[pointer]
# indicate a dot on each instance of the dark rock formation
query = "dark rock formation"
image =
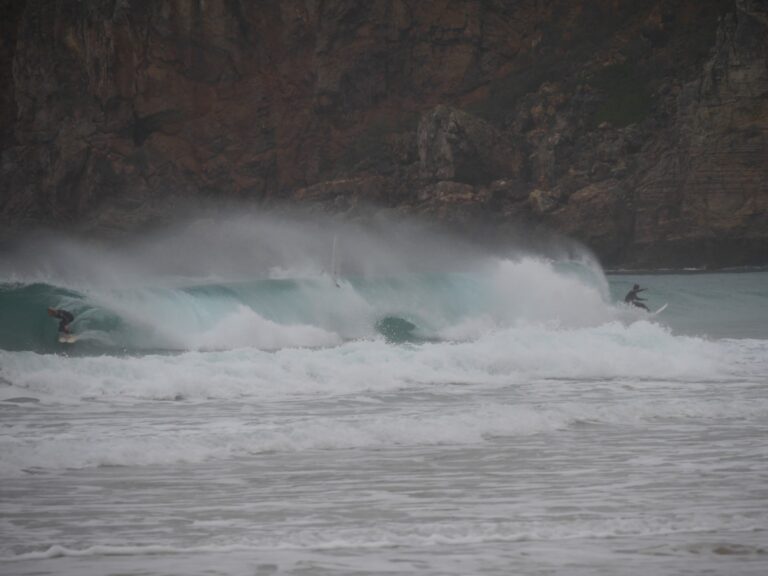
(454, 145)
(640, 128)
(703, 187)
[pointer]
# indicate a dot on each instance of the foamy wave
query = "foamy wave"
(368, 372)
(411, 535)
(533, 290)
(245, 328)
(642, 351)
(58, 551)
(154, 443)
(147, 439)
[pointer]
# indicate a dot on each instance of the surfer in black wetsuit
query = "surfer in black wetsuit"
(633, 298)
(65, 317)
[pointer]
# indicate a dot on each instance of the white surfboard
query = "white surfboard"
(67, 338)
(660, 309)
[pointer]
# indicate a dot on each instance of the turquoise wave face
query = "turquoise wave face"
(25, 323)
(322, 311)
(312, 312)
(397, 330)
(170, 319)
(222, 281)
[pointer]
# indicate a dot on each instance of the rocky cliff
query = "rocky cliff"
(639, 127)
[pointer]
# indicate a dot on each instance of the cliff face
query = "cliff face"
(639, 127)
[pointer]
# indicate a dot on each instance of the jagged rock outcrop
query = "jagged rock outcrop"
(454, 145)
(641, 130)
(705, 190)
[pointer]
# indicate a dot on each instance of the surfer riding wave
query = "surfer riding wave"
(633, 297)
(65, 318)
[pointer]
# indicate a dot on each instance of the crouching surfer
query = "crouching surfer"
(633, 297)
(65, 319)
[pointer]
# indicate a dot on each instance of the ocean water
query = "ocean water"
(240, 401)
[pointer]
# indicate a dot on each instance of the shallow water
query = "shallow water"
(510, 431)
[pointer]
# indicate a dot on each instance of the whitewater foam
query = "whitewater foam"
(364, 379)
(613, 350)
